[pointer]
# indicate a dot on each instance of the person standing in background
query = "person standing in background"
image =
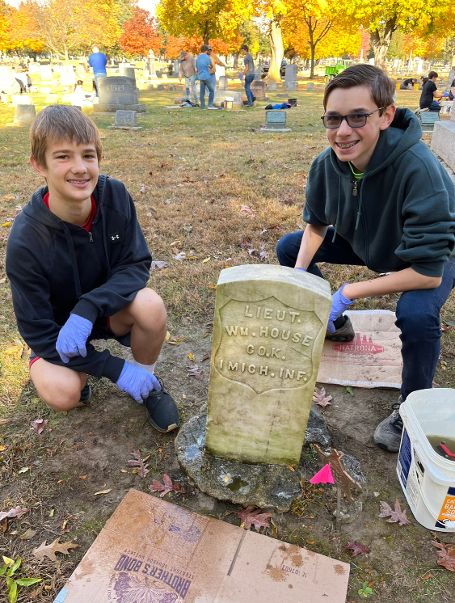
(248, 73)
(216, 61)
(97, 61)
(187, 69)
(203, 68)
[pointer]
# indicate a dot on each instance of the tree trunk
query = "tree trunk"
(277, 48)
(380, 41)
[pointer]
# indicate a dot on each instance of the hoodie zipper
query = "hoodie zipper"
(90, 237)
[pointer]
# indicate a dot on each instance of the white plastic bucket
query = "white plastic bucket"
(428, 479)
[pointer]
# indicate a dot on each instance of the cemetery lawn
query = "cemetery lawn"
(211, 192)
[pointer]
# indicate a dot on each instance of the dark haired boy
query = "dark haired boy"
(378, 197)
(78, 265)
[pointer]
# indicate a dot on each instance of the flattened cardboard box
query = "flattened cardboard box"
(371, 359)
(151, 551)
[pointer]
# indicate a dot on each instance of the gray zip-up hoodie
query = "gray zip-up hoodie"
(402, 212)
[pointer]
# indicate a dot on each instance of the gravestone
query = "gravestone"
(275, 121)
(118, 92)
(290, 76)
(223, 82)
(269, 329)
(233, 96)
(258, 87)
(126, 70)
(24, 114)
(125, 120)
(443, 139)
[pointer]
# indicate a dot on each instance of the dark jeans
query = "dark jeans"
(248, 79)
(417, 312)
(209, 85)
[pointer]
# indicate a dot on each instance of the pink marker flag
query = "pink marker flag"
(323, 476)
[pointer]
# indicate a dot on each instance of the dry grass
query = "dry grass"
(208, 184)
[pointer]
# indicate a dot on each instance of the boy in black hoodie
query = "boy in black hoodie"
(78, 265)
(378, 197)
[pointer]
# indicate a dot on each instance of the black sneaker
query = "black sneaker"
(162, 411)
(344, 331)
(86, 394)
(387, 434)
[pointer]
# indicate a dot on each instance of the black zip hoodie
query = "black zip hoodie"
(402, 212)
(56, 268)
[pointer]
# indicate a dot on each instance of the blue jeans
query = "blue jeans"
(206, 84)
(417, 313)
(248, 79)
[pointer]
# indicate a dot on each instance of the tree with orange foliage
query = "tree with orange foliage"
(25, 32)
(5, 12)
(140, 34)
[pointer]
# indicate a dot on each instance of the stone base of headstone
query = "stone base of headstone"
(223, 82)
(272, 86)
(443, 141)
(262, 485)
(24, 115)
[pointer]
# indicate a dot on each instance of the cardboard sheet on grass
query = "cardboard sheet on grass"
(371, 359)
(151, 551)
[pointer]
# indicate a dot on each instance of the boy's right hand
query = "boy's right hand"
(137, 382)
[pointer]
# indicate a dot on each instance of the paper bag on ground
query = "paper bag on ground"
(372, 359)
(156, 552)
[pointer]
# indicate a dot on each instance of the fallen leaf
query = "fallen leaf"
(395, 515)
(6, 224)
(24, 469)
(204, 261)
(196, 372)
(28, 534)
(38, 425)
(191, 357)
(446, 555)
(139, 462)
(167, 486)
(246, 209)
(103, 492)
(180, 256)
(343, 479)
(357, 548)
(14, 513)
(50, 550)
(254, 517)
(2, 448)
(142, 189)
(4, 421)
(321, 398)
(158, 265)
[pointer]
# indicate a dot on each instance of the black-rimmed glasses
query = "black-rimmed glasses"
(332, 121)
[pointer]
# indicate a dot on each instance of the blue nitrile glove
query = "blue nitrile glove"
(300, 268)
(137, 382)
(72, 339)
(339, 304)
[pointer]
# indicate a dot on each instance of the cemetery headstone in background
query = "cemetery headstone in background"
(290, 76)
(118, 92)
(24, 114)
(125, 120)
(443, 139)
(258, 88)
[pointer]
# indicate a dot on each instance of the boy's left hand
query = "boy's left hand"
(339, 304)
(72, 339)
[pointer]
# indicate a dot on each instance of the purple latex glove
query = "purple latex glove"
(340, 303)
(72, 339)
(137, 382)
